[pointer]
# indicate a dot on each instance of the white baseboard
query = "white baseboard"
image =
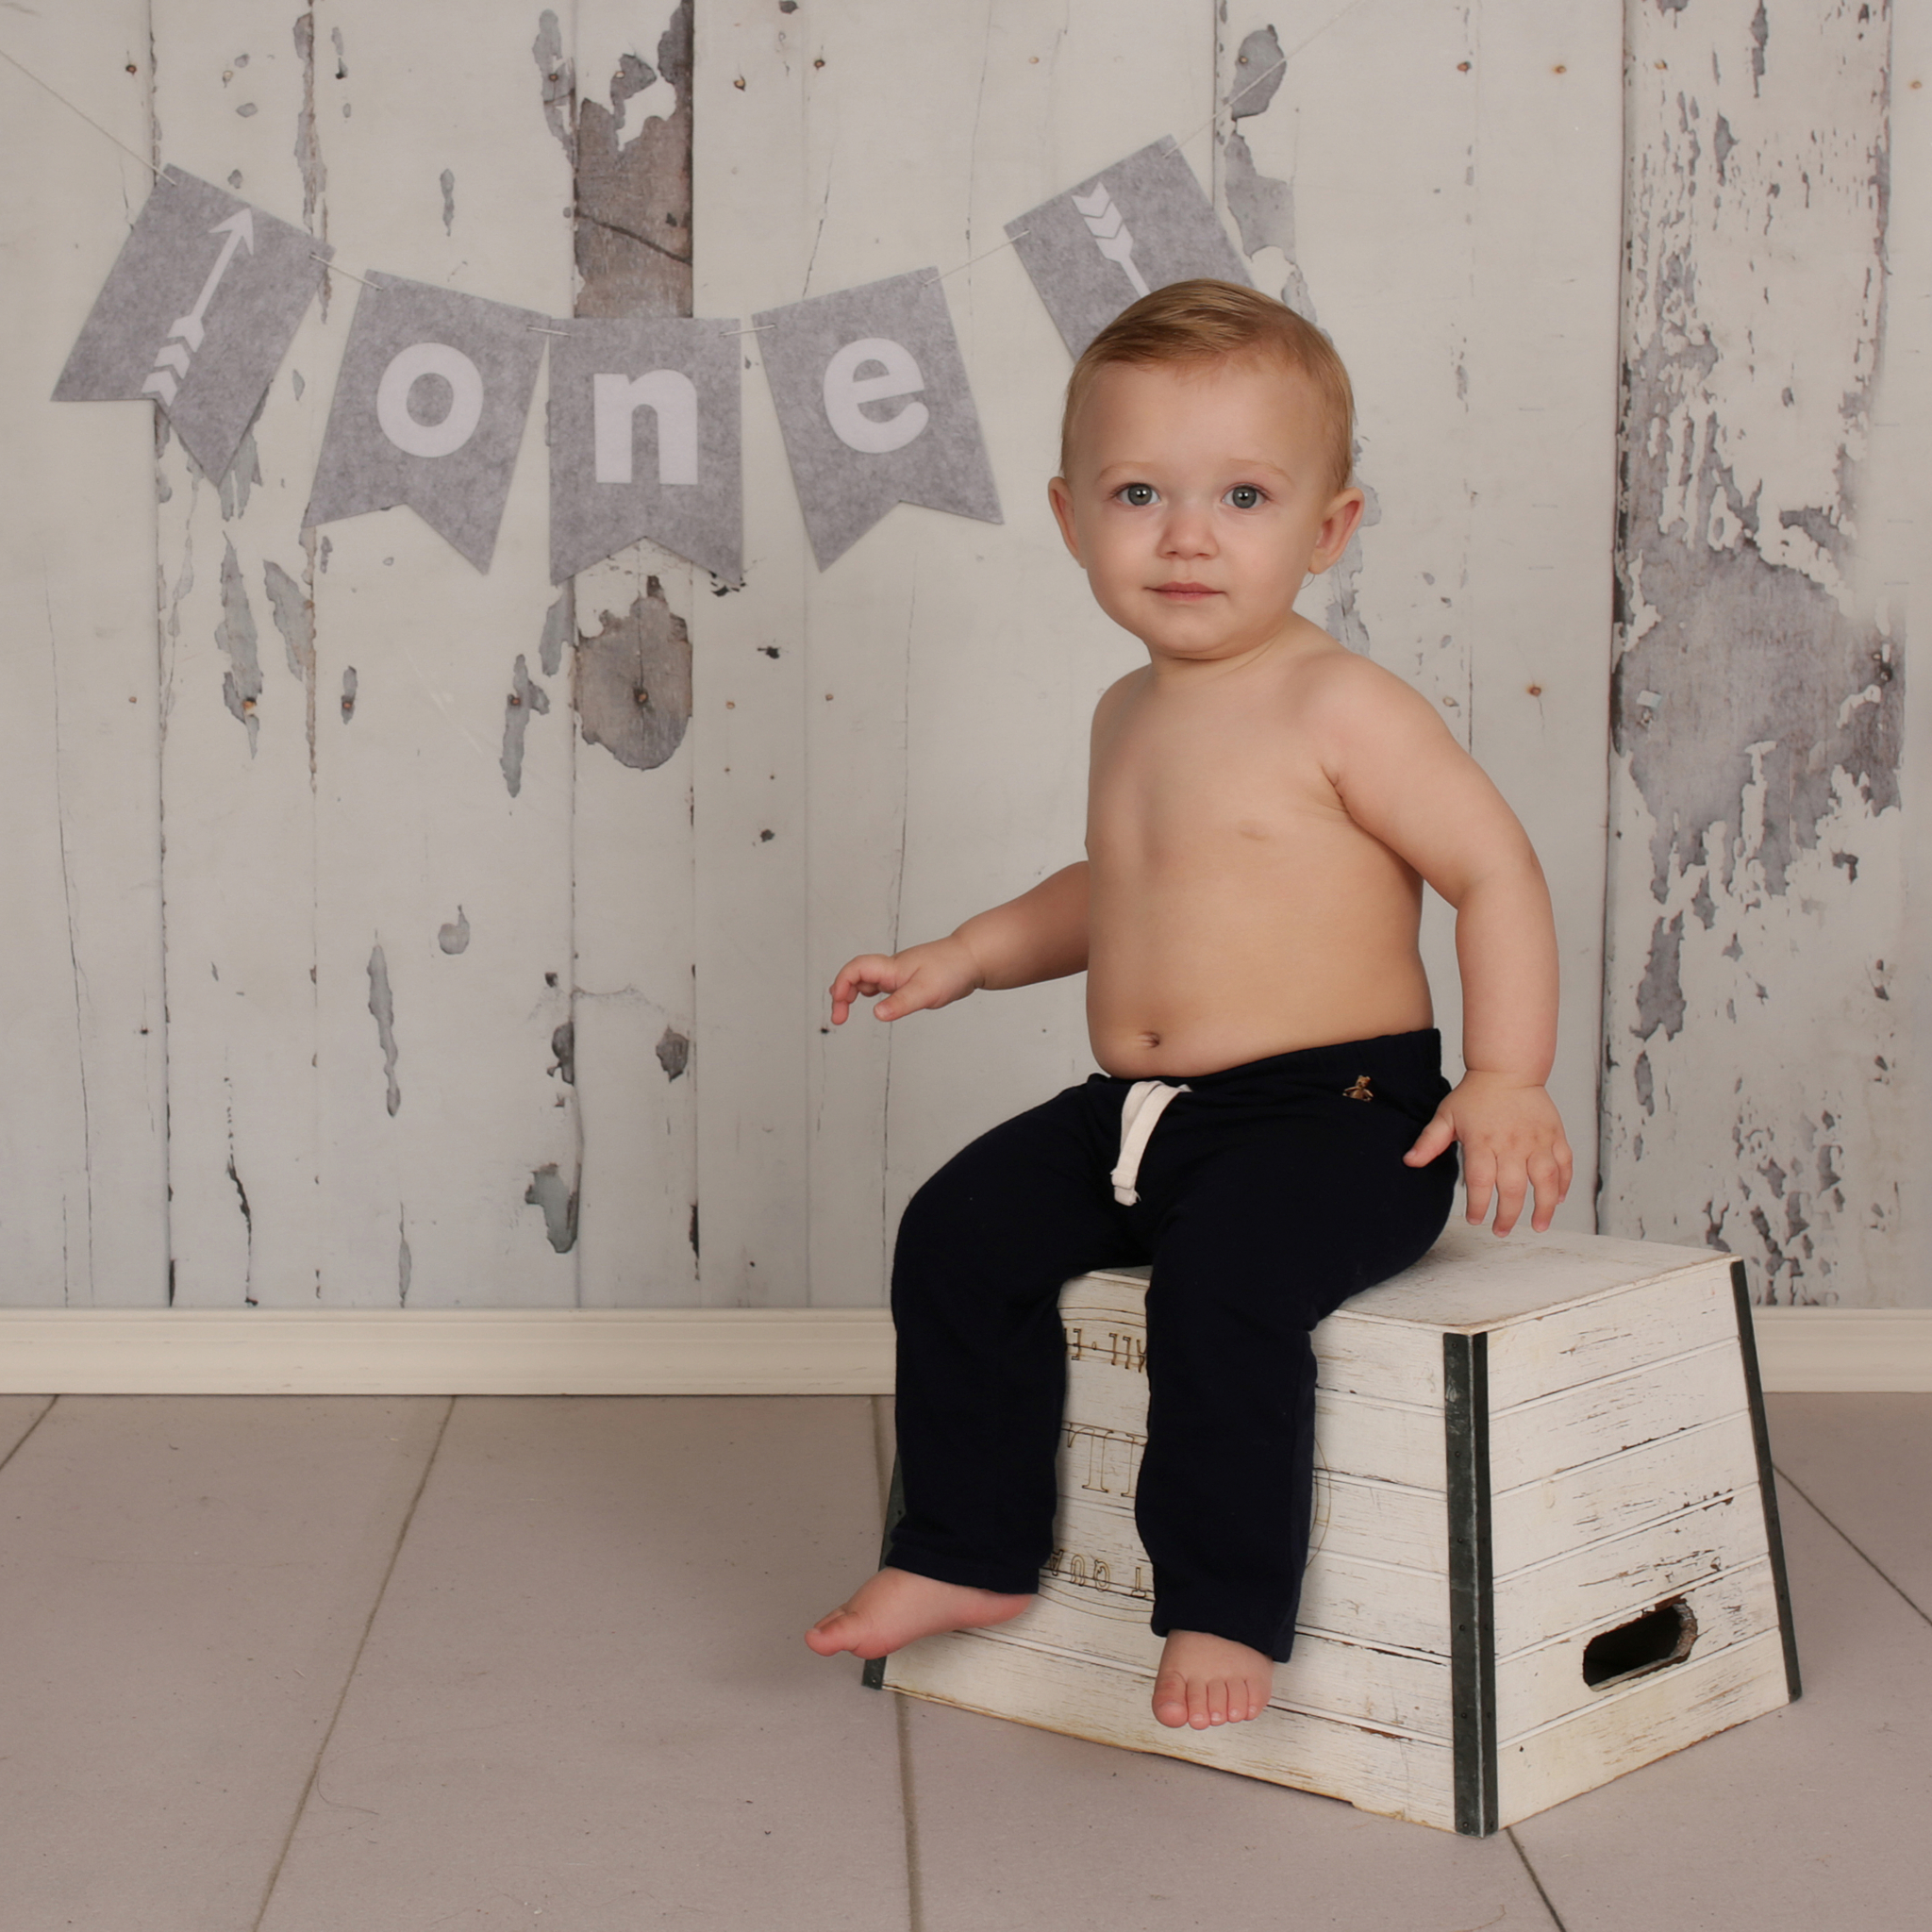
(1850, 1351)
(445, 1352)
(663, 1351)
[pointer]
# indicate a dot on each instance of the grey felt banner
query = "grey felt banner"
(1132, 228)
(872, 401)
(198, 312)
(429, 410)
(645, 442)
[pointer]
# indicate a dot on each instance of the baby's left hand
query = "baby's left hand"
(1512, 1141)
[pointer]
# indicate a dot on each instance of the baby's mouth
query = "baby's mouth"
(1183, 592)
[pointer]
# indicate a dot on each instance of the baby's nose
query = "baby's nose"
(1188, 533)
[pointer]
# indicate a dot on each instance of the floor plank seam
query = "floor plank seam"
(1917, 1609)
(28, 1431)
(268, 1892)
(1549, 1905)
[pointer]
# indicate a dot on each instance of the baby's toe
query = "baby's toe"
(1223, 1697)
(1171, 1699)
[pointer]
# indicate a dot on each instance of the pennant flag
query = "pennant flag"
(645, 442)
(429, 410)
(198, 312)
(1134, 227)
(872, 398)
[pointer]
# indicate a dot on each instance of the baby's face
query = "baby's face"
(1199, 501)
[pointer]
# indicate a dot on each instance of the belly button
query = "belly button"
(1149, 1039)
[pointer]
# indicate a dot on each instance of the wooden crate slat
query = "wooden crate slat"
(1614, 1413)
(1538, 1687)
(1670, 1710)
(1543, 1518)
(1651, 1322)
(1624, 1575)
(1378, 1771)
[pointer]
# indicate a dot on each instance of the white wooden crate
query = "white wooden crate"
(1545, 1550)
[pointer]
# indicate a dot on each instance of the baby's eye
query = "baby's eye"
(1139, 494)
(1244, 497)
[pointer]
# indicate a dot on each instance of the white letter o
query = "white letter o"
(465, 400)
(845, 390)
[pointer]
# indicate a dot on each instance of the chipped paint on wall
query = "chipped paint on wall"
(674, 1053)
(382, 1007)
(1758, 690)
(294, 615)
(454, 937)
(633, 681)
(236, 634)
(522, 698)
(557, 1201)
(632, 161)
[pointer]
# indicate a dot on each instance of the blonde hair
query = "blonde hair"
(1202, 321)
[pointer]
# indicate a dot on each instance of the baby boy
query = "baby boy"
(1273, 1131)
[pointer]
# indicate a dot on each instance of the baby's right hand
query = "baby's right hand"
(932, 975)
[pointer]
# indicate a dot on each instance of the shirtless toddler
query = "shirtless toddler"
(1272, 1129)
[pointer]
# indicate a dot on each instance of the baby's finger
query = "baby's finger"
(1551, 1180)
(906, 998)
(1439, 1134)
(1511, 1186)
(1479, 1178)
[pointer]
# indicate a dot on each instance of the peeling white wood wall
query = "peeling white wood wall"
(484, 984)
(1761, 1007)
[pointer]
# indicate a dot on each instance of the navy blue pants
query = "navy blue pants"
(1267, 1197)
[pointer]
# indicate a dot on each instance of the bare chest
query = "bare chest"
(1214, 786)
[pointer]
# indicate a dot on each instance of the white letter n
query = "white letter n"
(675, 399)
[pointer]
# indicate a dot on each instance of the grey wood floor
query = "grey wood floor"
(365, 1665)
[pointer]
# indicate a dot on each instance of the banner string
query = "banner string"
(925, 281)
(336, 268)
(968, 263)
(159, 173)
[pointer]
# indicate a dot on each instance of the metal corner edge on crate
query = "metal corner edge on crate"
(1767, 1476)
(874, 1676)
(1472, 1581)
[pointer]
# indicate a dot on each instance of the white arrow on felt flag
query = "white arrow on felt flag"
(239, 228)
(185, 337)
(1108, 227)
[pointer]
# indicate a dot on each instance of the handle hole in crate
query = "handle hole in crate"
(1650, 1643)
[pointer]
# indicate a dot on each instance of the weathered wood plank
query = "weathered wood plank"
(755, 200)
(1538, 1687)
(1617, 1412)
(239, 723)
(1662, 1714)
(1756, 876)
(81, 1057)
(633, 999)
(1610, 1581)
(1398, 1775)
(1614, 1332)
(1543, 1518)
(464, 1191)
(1359, 1682)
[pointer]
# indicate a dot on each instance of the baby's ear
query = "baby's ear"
(1343, 519)
(1061, 498)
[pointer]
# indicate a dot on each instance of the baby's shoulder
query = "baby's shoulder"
(1342, 690)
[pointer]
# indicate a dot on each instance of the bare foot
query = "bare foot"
(895, 1606)
(1209, 1680)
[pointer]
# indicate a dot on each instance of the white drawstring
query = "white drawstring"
(1147, 1100)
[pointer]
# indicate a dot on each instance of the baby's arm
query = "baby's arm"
(1403, 777)
(1041, 934)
